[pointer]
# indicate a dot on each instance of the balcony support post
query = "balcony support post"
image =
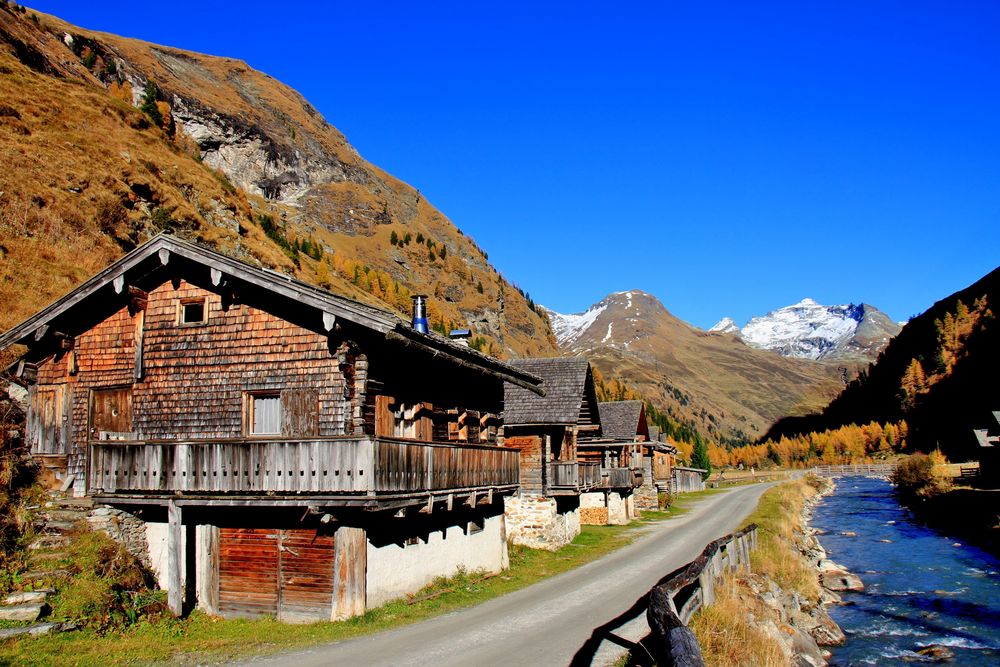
(175, 558)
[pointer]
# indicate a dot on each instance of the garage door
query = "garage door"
(287, 573)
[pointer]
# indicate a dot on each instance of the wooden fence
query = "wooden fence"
(673, 603)
(864, 469)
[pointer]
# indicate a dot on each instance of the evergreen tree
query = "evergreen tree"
(699, 457)
(148, 105)
(393, 238)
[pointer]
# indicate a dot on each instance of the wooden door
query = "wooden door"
(111, 414)
(50, 419)
(286, 573)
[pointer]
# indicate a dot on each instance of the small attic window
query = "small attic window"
(193, 311)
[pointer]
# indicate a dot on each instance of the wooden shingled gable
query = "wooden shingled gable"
(167, 257)
(623, 420)
(568, 384)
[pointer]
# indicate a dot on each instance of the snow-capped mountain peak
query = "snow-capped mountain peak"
(628, 307)
(726, 325)
(810, 330)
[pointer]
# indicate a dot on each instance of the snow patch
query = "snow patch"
(569, 328)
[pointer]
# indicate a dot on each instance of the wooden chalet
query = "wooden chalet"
(293, 453)
(618, 451)
(545, 430)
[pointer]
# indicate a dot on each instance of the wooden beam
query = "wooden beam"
(471, 502)
(137, 299)
(138, 370)
(216, 276)
(350, 566)
(66, 342)
(329, 319)
(207, 578)
(41, 331)
(175, 558)
(164, 256)
(451, 501)
(119, 283)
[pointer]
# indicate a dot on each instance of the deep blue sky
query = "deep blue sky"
(729, 158)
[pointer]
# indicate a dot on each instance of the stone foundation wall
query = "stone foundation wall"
(618, 508)
(537, 522)
(124, 528)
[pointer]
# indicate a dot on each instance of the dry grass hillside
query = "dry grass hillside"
(107, 141)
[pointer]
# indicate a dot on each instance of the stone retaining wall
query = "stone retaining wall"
(538, 522)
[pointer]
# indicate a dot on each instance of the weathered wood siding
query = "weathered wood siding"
(195, 376)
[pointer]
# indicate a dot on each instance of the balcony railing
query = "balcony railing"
(622, 478)
(316, 466)
(574, 475)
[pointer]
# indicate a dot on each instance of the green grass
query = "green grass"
(199, 638)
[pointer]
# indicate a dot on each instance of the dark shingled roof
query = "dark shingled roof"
(620, 419)
(565, 380)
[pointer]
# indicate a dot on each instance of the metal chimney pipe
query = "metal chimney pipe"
(420, 313)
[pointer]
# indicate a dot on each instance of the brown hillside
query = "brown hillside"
(241, 162)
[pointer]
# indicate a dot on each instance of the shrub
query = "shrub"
(420, 238)
(393, 238)
(921, 476)
(149, 106)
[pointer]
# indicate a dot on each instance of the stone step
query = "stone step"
(70, 503)
(27, 597)
(64, 515)
(23, 612)
(58, 526)
(48, 542)
(37, 629)
(37, 575)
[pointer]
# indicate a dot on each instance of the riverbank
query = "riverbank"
(971, 514)
(928, 596)
(775, 613)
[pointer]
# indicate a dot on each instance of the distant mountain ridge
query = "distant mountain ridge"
(809, 330)
(717, 384)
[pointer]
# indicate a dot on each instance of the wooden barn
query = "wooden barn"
(545, 430)
(989, 455)
(291, 452)
(618, 451)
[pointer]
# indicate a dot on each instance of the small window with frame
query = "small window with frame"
(192, 312)
(264, 413)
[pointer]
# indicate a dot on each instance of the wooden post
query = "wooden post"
(175, 558)
(350, 573)
(207, 578)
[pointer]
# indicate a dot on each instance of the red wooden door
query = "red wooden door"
(283, 573)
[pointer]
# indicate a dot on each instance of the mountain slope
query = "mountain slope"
(716, 383)
(809, 330)
(222, 154)
(939, 374)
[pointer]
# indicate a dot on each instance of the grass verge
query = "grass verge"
(201, 639)
(729, 631)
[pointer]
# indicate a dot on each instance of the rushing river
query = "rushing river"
(921, 586)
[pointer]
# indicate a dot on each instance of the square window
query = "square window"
(193, 311)
(265, 414)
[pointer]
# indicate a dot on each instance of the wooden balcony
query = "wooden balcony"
(316, 468)
(622, 478)
(569, 477)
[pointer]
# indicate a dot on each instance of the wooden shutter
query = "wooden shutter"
(111, 413)
(300, 413)
(385, 423)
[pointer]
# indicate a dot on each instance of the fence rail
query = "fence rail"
(869, 469)
(673, 603)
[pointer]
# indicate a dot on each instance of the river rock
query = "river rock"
(848, 533)
(828, 597)
(936, 653)
(827, 565)
(826, 631)
(841, 581)
(805, 649)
